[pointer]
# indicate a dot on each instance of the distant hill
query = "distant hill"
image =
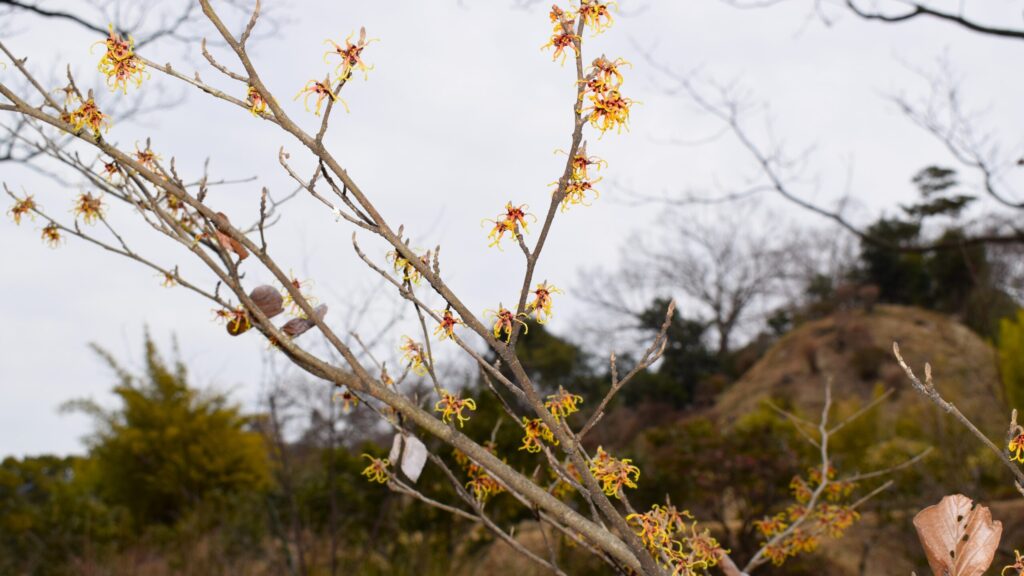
(854, 347)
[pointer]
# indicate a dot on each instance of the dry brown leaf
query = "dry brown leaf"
(298, 326)
(268, 300)
(222, 223)
(959, 537)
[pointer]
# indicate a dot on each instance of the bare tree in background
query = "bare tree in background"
(904, 11)
(725, 267)
(780, 169)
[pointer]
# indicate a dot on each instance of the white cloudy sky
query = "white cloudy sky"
(461, 114)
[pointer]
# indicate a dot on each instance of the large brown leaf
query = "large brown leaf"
(268, 300)
(959, 537)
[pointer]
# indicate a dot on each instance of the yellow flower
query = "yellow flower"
(576, 192)
(446, 329)
(257, 104)
(504, 321)
(450, 405)
(110, 170)
(89, 207)
(348, 400)
(771, 525)
(613, 473)
(563, 36)
(606, 73)
(483, 487)
(563, 404)
(22, 207)
(52, 235)
(1016, 448)
(351, 55)
(536, 430)
(581, 163)
(510, 221)
(480, 483)
(609, 110)
(88, 115)
(412, 352)
(596, 15)
(147, 157)
(236, 319)
(119, 63)
(405, 267)
(377, 471)
(1018, 565)
(540, 306)
(322, 90)
(302, 286)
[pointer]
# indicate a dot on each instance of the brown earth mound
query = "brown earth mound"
(854, 348)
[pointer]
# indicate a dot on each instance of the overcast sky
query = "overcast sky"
(462, 113)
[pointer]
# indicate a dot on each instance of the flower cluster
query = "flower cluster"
(613, 473)
(504, 322)
(797, 530)
(88, 115)
(90, 208)
(450, 405)
(22, 207)
(609, 109)
(563, 37)
(540, 306)
(536, 430)
(51, 235)
(673, 538)
(1016, 448)
(446, 328)
(377, 471)
(596, 14)
(412, 352)
(562, 404)
(510, 221)
(351, 55)
(581, 183)
(120, 64)
(480, 482)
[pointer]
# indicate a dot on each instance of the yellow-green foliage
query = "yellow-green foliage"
(169, 448)
(1011, 358)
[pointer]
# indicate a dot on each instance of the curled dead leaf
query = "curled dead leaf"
(959, 537)
(298, 326)
(221, 222)
(268, 300)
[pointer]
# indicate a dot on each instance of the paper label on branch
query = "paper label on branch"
(414, 455)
